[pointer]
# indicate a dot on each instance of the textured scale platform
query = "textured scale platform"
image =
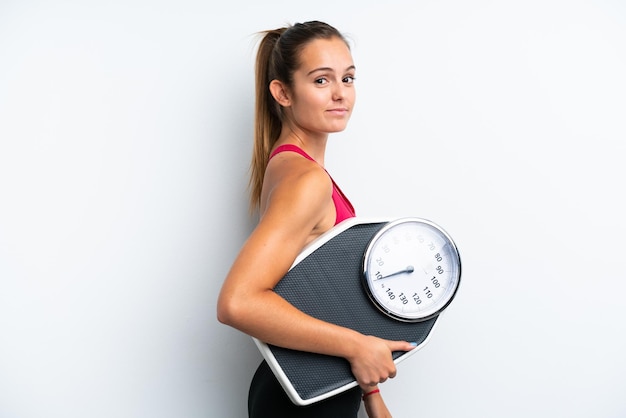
(327, 284)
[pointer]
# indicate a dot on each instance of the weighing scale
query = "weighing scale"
(391, 279)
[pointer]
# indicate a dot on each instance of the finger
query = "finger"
(401, 345)
(368, 386)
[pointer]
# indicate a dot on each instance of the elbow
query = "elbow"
(227, 311)
(233, 312)
(224, 312)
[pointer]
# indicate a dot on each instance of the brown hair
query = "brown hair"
(278, 57)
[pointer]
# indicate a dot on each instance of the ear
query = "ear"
(280, 93)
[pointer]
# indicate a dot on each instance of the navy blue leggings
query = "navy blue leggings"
(267, 399)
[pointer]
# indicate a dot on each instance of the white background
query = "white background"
(125, 134)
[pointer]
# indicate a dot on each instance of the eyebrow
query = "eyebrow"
(350, 68)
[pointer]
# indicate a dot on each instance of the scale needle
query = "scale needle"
(408, 269)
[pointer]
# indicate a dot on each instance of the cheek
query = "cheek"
(311, 104)
(318, 98)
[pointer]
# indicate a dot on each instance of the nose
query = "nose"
(338, 92)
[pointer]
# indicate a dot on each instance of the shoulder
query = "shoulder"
(296, 179)
(297, 195)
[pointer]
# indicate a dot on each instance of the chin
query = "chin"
(335, 131)
(337, 128)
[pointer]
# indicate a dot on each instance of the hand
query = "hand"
(372, 362)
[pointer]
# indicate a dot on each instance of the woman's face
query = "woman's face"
(323, 91)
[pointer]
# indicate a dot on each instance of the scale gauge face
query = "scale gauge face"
(411, 269)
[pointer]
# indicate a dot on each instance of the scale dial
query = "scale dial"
(411, 269)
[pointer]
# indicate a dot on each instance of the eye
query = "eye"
(321, 81)
(349, 79)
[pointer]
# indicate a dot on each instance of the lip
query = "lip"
(339, 111)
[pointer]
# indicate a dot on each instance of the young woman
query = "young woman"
(305, 91)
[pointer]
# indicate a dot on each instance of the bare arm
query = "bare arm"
(298, 205)
(376, 407)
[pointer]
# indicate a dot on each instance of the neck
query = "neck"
(314, 145)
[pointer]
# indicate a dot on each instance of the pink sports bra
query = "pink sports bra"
(343, 207)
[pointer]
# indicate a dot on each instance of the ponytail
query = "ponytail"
(277, 59)
(267, 120)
